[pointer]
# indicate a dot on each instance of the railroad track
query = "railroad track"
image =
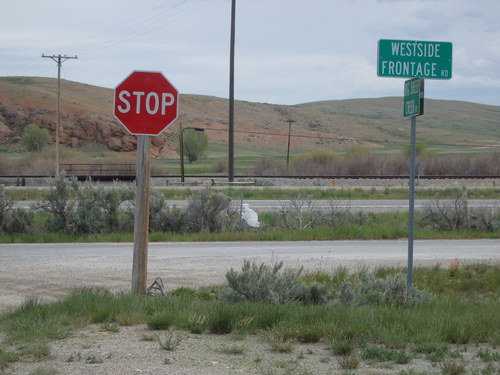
(131, 177)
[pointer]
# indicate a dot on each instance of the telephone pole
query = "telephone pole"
(289, 132)
(59, 60)
(230, 169)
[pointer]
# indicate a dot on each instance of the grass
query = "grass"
(459, 314)
(378, 226)
(260, 193)
(232, 349)
(450, 367)
(45, 371)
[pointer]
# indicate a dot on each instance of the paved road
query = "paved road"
(386, 205)
(50, 271)
(325, 205)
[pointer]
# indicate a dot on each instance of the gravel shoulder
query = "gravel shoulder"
(135, 350)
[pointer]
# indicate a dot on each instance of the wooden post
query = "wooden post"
(141, 220)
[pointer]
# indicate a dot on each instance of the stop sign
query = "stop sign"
(145, 103)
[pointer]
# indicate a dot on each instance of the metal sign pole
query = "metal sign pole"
(409, 281)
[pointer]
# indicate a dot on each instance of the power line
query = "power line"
(280, 135)
(138, 25)
(128, 29)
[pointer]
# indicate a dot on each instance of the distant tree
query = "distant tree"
(35, 138)
(420, 150)
(195, 144)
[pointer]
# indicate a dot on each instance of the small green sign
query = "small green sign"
(413, 97)
(410, 58)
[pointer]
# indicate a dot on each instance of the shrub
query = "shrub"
(109, 201)
(220, 166)
(221, 320)
(374, 291)
(195, 144)
(160, 322)
(343, 345)
(170, 340)
(59, 204)
(264, 283)
(77, 208)
(299, 213)
(19, 221)
(447, 215)
(209, 211)
(165, 218)
(5, 210)
(318, 162)
(87, 218)
(380, 354)
(267, 166)
(485, 219)
(34, 138)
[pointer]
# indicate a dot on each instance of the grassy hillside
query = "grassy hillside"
(261, 129)
(445, 125)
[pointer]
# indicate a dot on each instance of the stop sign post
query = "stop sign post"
(145, 103)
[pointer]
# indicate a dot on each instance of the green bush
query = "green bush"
(80, 209)
(58, 202)
(381, 354)
(19, 221)
(264, 283)
(5, 211)
(222, 319)
(35, 138)
(163, 218)
(161, 321)
(370, 290)
(209, 211)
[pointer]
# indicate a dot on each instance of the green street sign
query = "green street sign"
(413, 104)
(410, 58)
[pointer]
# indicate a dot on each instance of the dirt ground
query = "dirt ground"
(136, 350)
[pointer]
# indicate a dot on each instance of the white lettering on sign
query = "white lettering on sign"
(415, 49)
(409, 68)
(410, 107)
(121, 96)
(412, 87)
(153, 102)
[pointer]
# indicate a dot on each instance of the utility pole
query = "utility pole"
(289, 133)
(59, 60)
(230, 169)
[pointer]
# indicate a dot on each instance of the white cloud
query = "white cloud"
(287, 51)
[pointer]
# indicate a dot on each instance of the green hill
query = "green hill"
(376, 124)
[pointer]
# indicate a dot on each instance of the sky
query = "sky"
(287, 51)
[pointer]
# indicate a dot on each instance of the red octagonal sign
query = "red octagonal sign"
(145, 103)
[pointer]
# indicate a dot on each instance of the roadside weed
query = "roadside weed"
(349, 362)
(452, 368)
(488, 356)
(231, 349)
(93, 360)
(170, 340)
(45, 371)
